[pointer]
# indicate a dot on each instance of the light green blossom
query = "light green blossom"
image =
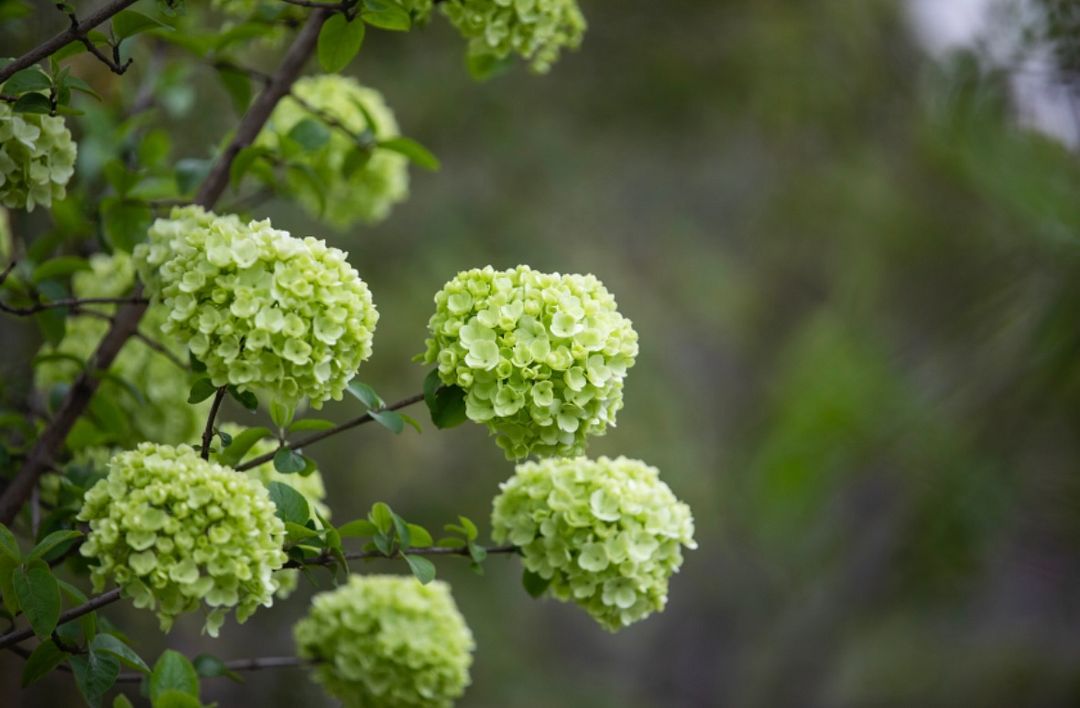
(388, 641)
(163, 415)
(606, 533)
(535, 30)
(175, 531)
(540, 356)
(367, 193)
(261, 309)
(37, 158)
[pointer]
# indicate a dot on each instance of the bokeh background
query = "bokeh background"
(848, 233)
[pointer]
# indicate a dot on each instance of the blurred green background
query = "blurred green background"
(857, 285)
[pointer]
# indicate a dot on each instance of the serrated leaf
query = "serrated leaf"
(108, 644)
(45, 657)
(51, 541)
(291, 504)
(359, 527)
(422, 568)
(241, 443)
(391, 420)
(417, 153)
(39, 596)
(339, 41)
(288, 461)
(420, 536)
(173, 672)
(534, 584)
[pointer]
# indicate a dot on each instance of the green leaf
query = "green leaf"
(288, 461)
(412, 422)
(359, 527)
(59, 268)
(108, 644)
(201, 390)
(190, 172)
(295, 532)
(173, 672)
(417, 153)
(241, 443)
(366, 394)
(73, 593)
(451, 542)
(534, 584)
(402, 528)
(176, 699)
(478, 553)
(77, 84)
(125, 222)
(32, 103)
(310, 133)
(291, 504)
(209, 666)
(449, 408)
(390, 420)
(243, 162)
(381, 516)
(95, 674)
(422, 568)
(471, 531)
(39, 596)
(121, 701)
(8, 544)
(485, 66)
(339, 42)
(53, 324)
(45, 657)
(51, 541)
(420, 536)
(247, 399)
(311, 424)
(7, 586)
(386, 15)
(354, 160)
(31, 79)
(238, 85)
(129, 23)
(281, 413)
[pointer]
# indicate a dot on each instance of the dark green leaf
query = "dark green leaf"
(94, 674)
(432, 382)
(53, 324)
(359, 527)
(108, 644)
(417, 153)
(477, 552)
(32, 103)
(59, 267)
(238, 85)
(209, 666)
(39, 596)
(190, 172)
(534, 584)
(339, 42)
(422, 568)
(125, 222)
(8, 544)
(288, 461)
(295, 532)
(201, 390)
(241, 443)
(31, 79)
(45, 657)
(51, 541)
(129, 23)
(291, 504)
(402, 528)
(449, 409)
(486, 66)
(366, 394)
(354, 160)
(245, 398)
(7, 587)
(389, 420)
(243, 162)
(309, 133)
(173, 672)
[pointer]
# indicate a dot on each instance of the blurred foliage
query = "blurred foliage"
(857, 285)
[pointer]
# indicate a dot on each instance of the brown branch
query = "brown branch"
(74, 33)
(208, 432)
(335, 6)
(74, 613)
(74, 302)
(327, 559)
(127, 317)
(256, 664)
(312, 439)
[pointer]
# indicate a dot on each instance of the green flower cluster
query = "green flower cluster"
(388, 641)
(37, 158)
(541, 357)
(606, 533)
(163, 415)
(261, 309)
(349, 192)
(536, 30)
(174, 530)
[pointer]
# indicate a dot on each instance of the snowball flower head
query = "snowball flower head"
(535, 30)
(163, 413)
(541, 357)
(350, 192)
(606, 533)
(175, 531)
(261, 309)
(37, 158)
(388, 641)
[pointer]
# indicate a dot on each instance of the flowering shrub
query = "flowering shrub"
(388, 641)
(261, 309)
(360, 193)
(536, 30)
(540, 356)
(175, 531)
(606, 533)
(163, 415)
(37, 158)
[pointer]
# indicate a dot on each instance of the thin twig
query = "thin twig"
(208, 432)
(336, 6)
(71, 34)
(6, 272)
(74, 613)
(71, 302)
(327, 559)
(148, 341)
(312, 439)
